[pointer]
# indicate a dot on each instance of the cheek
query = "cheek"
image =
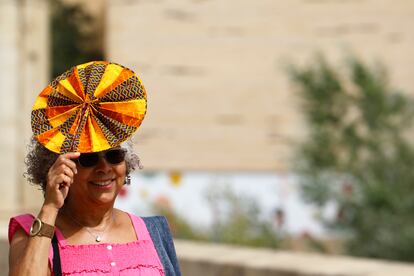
(81, 176)
(120, 170)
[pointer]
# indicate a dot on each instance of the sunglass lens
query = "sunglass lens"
(88, 159)
(115, 156)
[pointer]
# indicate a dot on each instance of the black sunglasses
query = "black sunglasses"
(113, 157)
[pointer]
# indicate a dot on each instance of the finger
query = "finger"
(67, 180)
(71, 155)
(64, 190)
(63, 168)
(67, 157)
(71, 164)
(63, 185)
(68, 171)
(59, 161)
(63, 179)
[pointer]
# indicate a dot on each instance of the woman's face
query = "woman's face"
(98, 184)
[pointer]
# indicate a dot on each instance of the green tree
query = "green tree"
(238, 220)
(76, 38)
(359, 154)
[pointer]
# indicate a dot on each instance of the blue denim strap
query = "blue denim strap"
(161, 237)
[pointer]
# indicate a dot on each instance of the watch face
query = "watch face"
(36, 226)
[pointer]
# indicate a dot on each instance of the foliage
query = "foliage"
(75, 37)
(180, 228)
(237, 221)
(358, 154)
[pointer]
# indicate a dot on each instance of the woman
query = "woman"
(78, 231)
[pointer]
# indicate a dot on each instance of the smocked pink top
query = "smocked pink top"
(133, 258)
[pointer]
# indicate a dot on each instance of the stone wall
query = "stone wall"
(4, 255)
(24, 49)
(221, 260)
(219, 97)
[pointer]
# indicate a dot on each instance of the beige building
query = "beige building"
(219, 96)
(24, 51)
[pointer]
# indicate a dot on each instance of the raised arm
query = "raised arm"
(28, 255)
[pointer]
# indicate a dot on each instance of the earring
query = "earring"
(127, 180)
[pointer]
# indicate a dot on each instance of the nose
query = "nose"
(103, 165)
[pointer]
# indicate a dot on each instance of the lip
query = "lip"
(103, 184)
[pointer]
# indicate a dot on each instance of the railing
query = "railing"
(208, 259)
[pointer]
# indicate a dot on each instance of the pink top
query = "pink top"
(133, 258)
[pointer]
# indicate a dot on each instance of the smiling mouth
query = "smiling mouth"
(102, 183)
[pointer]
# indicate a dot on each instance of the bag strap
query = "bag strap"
(57, 268)
(161, 237)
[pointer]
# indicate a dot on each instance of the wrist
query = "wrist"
(48, 213)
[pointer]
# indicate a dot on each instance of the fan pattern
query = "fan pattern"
(91, 107)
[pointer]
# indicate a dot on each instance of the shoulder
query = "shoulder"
(158, 228)
(21, 224)
(153, 223)
(19, 227)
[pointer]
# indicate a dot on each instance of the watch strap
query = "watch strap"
(40, 228)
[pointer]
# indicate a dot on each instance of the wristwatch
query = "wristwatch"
(42, 229)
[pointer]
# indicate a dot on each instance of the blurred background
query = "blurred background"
(271, 124)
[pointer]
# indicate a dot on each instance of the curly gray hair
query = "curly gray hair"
(39, 160)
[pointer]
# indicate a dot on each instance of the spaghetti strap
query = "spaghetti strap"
(140, 227)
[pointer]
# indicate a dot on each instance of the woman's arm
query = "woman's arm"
(29, 255)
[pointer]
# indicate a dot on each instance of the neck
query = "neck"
(91, 216)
